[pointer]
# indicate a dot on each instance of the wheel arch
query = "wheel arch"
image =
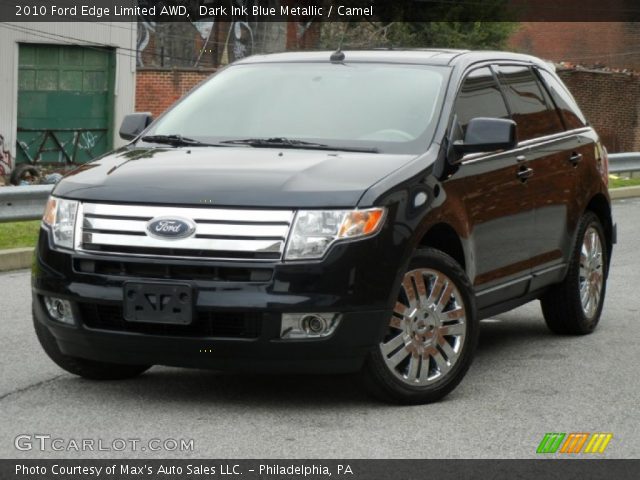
(599, 204)
(444, 237)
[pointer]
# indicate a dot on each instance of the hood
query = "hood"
(230, 176)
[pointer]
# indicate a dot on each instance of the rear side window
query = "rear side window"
(573, 117)
(529, 107)
(479, 96)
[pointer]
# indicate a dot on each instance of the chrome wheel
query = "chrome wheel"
(427, 329)
(591, 272)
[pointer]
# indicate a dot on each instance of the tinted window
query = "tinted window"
(568, 107)
(479, 96)
(526, 99)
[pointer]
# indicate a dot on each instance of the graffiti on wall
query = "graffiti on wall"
(212, 42)
(63, 145)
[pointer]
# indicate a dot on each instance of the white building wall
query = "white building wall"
(120, 35)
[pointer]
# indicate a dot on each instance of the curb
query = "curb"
(15, 259)
(624, 192)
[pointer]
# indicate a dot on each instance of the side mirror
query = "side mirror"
(487, 135)
(134, 124)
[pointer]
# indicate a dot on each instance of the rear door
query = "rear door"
(553, 154)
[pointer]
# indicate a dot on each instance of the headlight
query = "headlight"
(60, 217)
(314, 231)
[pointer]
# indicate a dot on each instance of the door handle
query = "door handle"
(521, 158)
(575, 158)
(525, 173)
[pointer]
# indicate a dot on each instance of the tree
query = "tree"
(466, 35)
(471, 35)
(477, 24)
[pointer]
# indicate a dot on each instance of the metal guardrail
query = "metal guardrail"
(27, 203)
(23, 203)
(624, 162)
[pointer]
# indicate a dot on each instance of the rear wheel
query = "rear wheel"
(79, 366)
(574, 306)
(431, 337)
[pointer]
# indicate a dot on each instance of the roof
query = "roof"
(425, 56)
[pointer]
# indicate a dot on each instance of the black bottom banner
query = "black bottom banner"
(319, 469)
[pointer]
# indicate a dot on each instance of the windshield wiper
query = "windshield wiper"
(280, 142)
(179, 141)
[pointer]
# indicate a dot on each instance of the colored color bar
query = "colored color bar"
(598, 443)
(550, 442)
(574, 442)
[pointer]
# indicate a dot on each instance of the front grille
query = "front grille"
(205, 323)
(225, 234)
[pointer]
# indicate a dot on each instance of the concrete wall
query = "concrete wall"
(121, 36)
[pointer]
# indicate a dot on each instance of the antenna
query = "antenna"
(338, 55)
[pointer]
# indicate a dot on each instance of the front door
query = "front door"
(496, 199)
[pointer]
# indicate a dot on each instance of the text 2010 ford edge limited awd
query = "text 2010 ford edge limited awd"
(318, 212)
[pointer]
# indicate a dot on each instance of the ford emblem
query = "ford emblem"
(170, 228)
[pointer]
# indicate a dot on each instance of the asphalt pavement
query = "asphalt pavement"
(524, 383)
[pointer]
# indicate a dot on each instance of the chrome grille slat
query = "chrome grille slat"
(196, 214)
(227, 234)
(184, 244)
(218, 229)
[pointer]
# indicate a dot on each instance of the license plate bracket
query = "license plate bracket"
(158, 303)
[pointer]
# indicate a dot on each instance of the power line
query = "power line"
(87, 44)
(48, 36)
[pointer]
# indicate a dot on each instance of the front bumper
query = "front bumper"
(346, 282)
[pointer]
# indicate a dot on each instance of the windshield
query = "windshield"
(382, 107)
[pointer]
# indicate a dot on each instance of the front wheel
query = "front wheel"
(431, 337)
(573, 307)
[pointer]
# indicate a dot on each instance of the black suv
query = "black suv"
(359, 211)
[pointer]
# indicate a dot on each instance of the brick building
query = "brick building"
(601, 67)
(605, 44)
(159, 88)
(611, 102)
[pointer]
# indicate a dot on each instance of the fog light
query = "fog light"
(308, 325)
(59, 310)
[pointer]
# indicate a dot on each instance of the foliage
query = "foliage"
(478, 24)
(465, 35)
(19, 234)
(616, 182)
(468, 35)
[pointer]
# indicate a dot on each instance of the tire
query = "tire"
(84, 368)
(26, 172)
(426, 350)
(562, 305)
